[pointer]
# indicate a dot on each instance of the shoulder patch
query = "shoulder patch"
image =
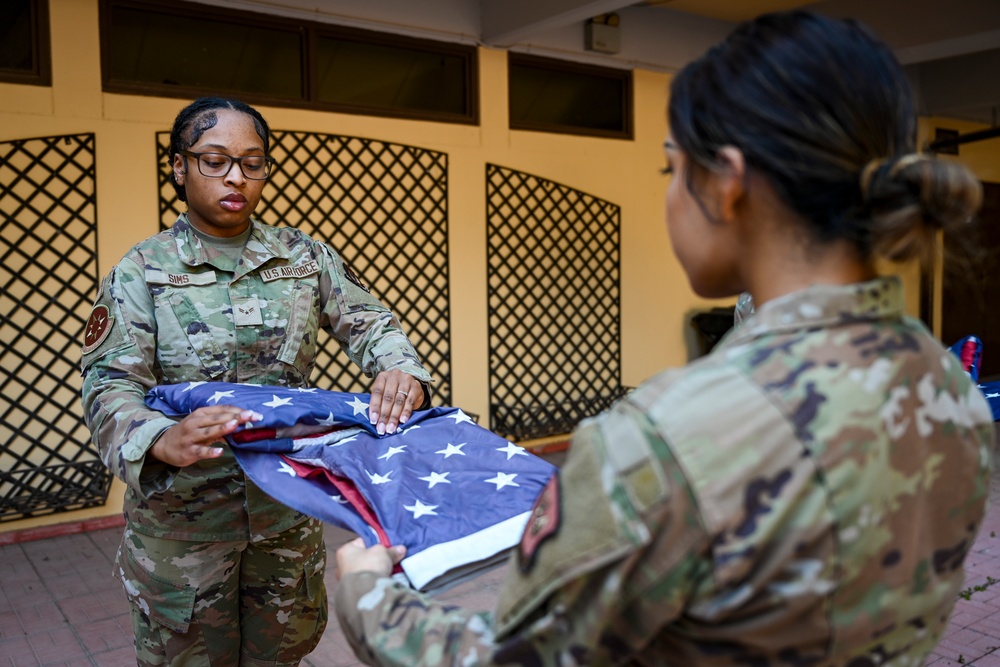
(106, 326)
(353, 277)
(542, 524)
(99, 325)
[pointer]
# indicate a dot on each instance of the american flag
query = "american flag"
(969, 350)
(456, 494)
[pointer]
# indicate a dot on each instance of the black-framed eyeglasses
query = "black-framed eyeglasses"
(217, 165)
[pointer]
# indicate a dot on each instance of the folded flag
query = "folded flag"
(456, 494)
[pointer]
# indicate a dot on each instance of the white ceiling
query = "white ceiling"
(951, 50)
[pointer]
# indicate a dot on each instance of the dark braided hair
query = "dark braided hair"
(200, 115)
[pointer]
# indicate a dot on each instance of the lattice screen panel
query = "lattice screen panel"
(383, 207)
(554, 304)
(48, 280)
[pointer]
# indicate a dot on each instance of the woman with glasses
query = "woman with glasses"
(215, 571)
(806, 493)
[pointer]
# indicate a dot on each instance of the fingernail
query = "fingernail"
(380, 429)
(257, 417)
(230, 423)
(403, 418)
(391, 429)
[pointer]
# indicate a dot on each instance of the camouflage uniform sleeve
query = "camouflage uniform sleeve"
(387, 623)
(618, 553)
(118, 370)
(366, 329)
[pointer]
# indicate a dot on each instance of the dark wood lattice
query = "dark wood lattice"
(48, 279)
(554, 304)
(383, 207)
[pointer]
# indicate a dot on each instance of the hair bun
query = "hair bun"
(914, 195)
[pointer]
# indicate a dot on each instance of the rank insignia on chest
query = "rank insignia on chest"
(542, 524)
(98, 327)
(246, 312)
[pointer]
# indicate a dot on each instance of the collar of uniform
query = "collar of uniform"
(263, 245)
(260, 248)
(826, 305)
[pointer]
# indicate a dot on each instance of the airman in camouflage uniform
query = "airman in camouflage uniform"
(217, 572)
(805, 494)
(781, 534)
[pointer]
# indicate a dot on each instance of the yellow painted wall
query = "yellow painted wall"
(656, 300)
(982, 157)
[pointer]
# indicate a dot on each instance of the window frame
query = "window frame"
(41, 47)
(109, 84)
(572, 67)
(311, 32)
(468, 53)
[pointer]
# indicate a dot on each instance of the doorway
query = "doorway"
(970, 303)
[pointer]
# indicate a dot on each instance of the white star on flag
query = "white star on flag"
(380, 479)
(328, 421)
(460, 417)
(503, 479)
(340, 499)
(419, 509)
(451, 449)
(276, 402)
(192, 385)
(306, 390)
(287, 469)
(435, 478)
(512, 450)
(392, 452)
(359, 406)
(344, 441)
(219, 395)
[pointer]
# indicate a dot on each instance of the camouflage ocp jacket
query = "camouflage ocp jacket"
(176, 309)
(805, 495)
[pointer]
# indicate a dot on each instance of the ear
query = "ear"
(730, 181)
(178, 168)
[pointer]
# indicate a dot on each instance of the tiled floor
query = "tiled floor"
(60, 606)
